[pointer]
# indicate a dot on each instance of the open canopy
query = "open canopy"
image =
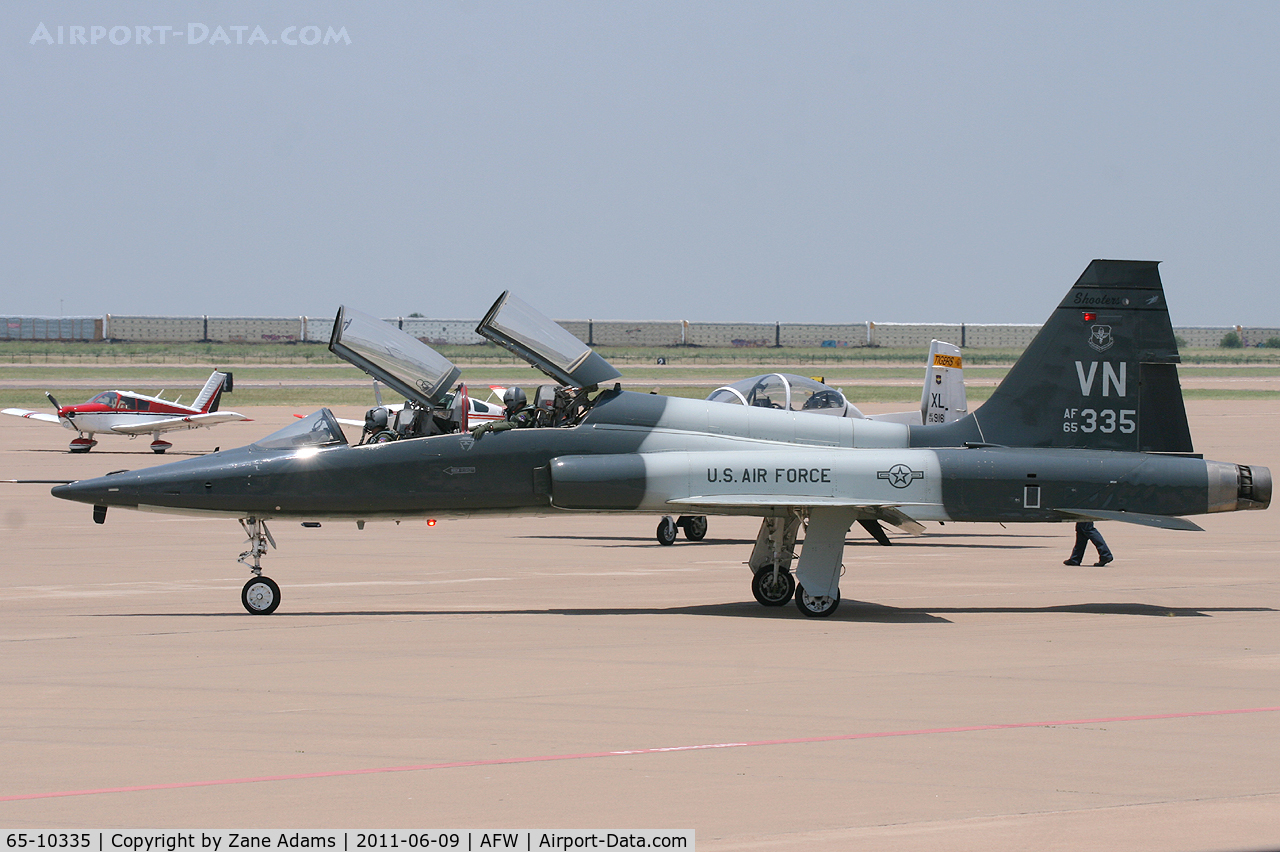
(401, 362)
(515, 325)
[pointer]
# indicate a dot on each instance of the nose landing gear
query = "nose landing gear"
(261, 595)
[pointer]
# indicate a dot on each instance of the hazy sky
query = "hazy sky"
(711, 161)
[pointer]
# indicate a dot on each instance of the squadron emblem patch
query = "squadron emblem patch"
(1100, 338)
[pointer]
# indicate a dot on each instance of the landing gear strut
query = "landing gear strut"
(772, 583)
(261, 595)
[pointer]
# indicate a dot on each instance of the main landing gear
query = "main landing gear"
(261, 595)
(773, 584)
(816, 606)
(694, 526)
(773, 587)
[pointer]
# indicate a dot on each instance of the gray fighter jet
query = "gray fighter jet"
(1089, 424)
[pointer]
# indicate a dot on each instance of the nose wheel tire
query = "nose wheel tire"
(695, 527)
(773, 589)
(666, 532)
(260, 596)
(816, 606)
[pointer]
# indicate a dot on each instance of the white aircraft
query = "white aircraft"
(119, 412)
(942, 401)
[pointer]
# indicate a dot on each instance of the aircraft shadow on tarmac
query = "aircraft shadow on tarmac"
(648, 541)
(143, 453)
(850, 610)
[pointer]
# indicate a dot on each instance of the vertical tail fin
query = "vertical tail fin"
(1101, 374)
(943, 398)
(211, 394)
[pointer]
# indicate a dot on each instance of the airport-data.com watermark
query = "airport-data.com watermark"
(193, 33)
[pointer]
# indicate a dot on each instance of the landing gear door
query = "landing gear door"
(403, 363)
(515, 325)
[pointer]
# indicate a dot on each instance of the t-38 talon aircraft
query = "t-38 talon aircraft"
(119, 412)
(1088, 424)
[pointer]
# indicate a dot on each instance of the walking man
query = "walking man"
(1085, 533)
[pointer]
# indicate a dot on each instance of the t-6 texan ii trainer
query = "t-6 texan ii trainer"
(1088, 425)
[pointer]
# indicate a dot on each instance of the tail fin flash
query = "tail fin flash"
(943, 398)
(1101, 374)
(211, 394)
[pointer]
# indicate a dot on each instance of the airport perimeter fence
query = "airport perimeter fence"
(604, 333)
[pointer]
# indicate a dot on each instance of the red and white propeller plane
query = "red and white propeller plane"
(118, 412)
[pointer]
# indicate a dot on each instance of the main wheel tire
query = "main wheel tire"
(816, 606)
(260, 596)
(666, 532)
(771, 590)
(695, 527)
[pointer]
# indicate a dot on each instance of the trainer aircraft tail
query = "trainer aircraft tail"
(1101, 374)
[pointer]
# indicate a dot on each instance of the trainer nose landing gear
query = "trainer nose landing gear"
(694, 526)
(260, 595)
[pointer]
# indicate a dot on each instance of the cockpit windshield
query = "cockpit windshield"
(516, 325)
(783, 391)
(316, 430)
(107, 398)
(404, 363)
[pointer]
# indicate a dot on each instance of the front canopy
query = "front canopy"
(401, 362)
(316, 430)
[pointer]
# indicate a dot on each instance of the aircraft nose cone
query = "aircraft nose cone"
(83, 491)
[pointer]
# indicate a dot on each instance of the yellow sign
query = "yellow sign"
(941, 360)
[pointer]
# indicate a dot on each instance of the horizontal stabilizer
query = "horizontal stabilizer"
(189, 421)
(1164, 522)
(32, 415)
(900, 519)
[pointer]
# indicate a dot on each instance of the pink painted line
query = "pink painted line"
(502, 761)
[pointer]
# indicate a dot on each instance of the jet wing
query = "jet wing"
(32, 415)
(189, 421)
(890, 513)
(516, 326)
